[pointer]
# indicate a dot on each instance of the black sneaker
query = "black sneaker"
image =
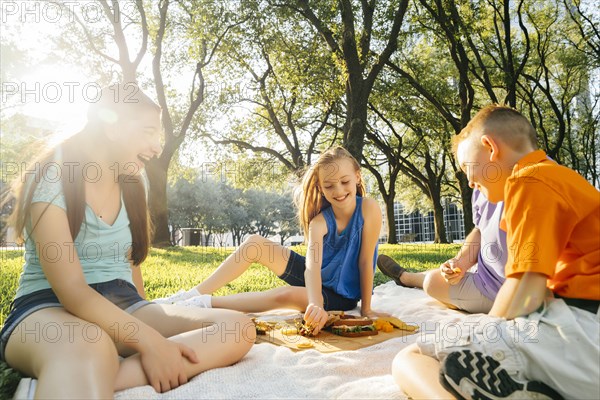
(473, 375)
(390, 268)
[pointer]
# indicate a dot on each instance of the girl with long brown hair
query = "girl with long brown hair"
(82, 214)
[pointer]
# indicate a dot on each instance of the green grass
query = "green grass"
(169, 270)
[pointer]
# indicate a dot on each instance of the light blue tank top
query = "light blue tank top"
(102, 249)
(340, 271)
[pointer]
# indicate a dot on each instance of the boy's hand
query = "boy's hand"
(163, 363)
(451, 273)
(316, 317)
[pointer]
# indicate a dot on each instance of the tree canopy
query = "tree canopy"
(264, 86)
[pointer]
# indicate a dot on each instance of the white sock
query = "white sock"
(180, 296)
(202, 301)
(191, 293)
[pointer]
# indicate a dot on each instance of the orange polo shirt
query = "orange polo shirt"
(552, 221)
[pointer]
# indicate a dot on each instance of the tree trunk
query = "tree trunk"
(466, 193)
(157, 202)
(207, 238)
(438, 220)
(438, 216)
(355, 127)
(236, 235)
(389, 208)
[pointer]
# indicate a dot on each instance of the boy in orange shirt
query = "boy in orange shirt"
(540, 339)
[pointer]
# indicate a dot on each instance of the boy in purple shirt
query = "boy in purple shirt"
(452, 283)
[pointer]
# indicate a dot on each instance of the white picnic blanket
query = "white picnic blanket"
(273, 372)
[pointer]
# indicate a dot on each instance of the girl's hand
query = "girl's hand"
(451, 273)
(316, 317)
(163, 363)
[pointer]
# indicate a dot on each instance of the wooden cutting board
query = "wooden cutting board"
(327, 342)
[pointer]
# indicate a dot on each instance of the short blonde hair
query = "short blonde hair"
(504, 123)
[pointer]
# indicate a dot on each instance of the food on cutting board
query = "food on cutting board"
(397, 323)
(351, 326)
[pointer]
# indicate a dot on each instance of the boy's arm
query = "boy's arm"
(536, 219)
(370, 237)
(521, 294)
(464, 259)
(468, 253)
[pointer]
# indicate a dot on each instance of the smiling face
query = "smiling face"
(135, 141)
(338, 182)
(490, 145)
(477, 158)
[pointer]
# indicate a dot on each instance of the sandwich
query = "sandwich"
(351, 326)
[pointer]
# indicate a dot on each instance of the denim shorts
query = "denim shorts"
(294, 276)
(121, 293)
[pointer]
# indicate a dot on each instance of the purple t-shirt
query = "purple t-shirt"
(493, 252)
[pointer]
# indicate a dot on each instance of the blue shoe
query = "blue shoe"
(473, 375)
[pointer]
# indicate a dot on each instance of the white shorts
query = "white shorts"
(467, 297)
(557, 345)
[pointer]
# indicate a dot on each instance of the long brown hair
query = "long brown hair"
(117, 102)
(308, 197)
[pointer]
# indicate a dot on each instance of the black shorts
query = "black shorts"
(294, 275)
(119, 292)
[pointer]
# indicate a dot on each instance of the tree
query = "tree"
(555, 93)
(286, 218)
(385, 156)
(173, 19)
(288, 104)
(238, 215)
(355, 49)
(184, 207)
(198, 204)
(262, 211)
(419, 155)
(586, 23)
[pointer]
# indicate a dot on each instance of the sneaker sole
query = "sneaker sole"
(472, 375)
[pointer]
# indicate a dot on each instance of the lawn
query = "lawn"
(168, 270)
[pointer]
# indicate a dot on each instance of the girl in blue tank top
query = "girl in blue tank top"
(342, 229)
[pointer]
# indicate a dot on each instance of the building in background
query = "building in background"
(419, 227)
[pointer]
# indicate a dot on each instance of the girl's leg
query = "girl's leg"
(255, 249)
(418, 375)
(70, 357)
(219, 337)
(282, 297)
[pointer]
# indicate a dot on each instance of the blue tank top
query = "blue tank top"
(339, 271)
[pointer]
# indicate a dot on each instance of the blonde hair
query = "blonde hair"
(504, 123)
(308, 197)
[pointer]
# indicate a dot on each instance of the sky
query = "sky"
(60, 92)
(43, 89)
(46, 88)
